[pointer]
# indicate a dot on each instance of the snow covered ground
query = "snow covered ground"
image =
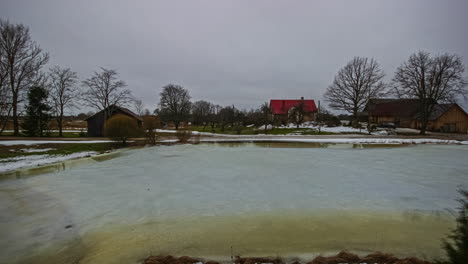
(33, 150)
(14, 163)
(338, 129)
(338, 140)
(36, 142)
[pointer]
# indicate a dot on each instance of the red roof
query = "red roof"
(280, 107)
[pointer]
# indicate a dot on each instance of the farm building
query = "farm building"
(97, 121)
(449, 118)
(281, 108)
(404, 113)
(401, 112)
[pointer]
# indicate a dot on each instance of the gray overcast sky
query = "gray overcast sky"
(237, 52)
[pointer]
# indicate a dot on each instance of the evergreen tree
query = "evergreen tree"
(37, 112)
(457, 245)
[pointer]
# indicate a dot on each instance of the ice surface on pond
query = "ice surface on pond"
(185, 181)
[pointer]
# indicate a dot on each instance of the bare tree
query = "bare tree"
(201, 111)
(354, 84)
(139, 107)
(174, 104)
(431, 80)
(265, 111)
(5, 93)
(297, 114)
(23, 60)
(104, 90)
(63, 92)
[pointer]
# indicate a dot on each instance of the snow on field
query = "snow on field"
(32, 150)
(14, 163)
(344, 140)
(35, 142)
(338, 129)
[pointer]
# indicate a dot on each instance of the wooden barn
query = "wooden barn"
(401, 112)
(450, 118)
(97, 121)
(281, 108)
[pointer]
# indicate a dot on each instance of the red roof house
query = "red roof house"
(281, 107)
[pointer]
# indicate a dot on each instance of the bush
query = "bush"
(457, 248)
(183, 135)
(121, 128)
(150, 124)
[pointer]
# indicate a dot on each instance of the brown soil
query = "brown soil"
(341, 258)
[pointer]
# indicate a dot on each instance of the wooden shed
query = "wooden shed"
(449, 118)
(97, 121)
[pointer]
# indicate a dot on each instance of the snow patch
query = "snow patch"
(14, 163)
(32, 150)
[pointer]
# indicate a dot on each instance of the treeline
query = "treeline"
(176, 107)
(28, 89)
(428, 78)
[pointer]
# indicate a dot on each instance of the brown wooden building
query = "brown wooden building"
(97, 121)
(404, 113)
(450, 118)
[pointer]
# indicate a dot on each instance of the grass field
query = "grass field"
(51, 134)
(55, 149)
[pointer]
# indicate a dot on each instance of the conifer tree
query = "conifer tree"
(37, 112)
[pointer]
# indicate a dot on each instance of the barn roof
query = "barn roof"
(440, 109)
(392, 107)
(117, 108)
(282, 106)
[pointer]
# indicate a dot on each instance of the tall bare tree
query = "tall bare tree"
(201, 111)
(63, 92)
(139, 107)
(431, 80)
(23, 60)
(266, 119)
(354, 84)
(174, 104)
(103, 89)
(5, 93)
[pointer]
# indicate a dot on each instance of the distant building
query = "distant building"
(96, 122)
(401, 112)
(281, 108)
(405, 113)
(450, 118)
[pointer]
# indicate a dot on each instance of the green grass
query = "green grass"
(58, 149)
(52, 134)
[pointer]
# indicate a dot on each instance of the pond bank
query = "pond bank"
(342, 257)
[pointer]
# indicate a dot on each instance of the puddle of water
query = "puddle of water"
(286, 234)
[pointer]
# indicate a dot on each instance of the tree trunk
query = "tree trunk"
(176, 125)
(60, 122)
(355, 120)
(15, 116)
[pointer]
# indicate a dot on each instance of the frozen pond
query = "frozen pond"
(261, 199)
